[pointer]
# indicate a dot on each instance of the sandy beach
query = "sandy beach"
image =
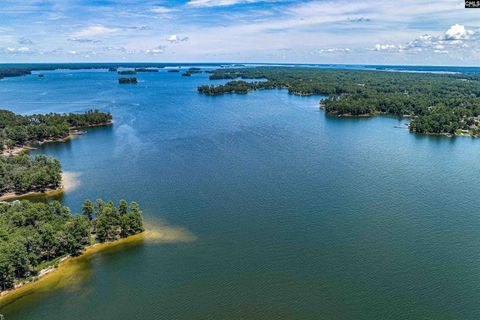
(70, 270)
(70, 181)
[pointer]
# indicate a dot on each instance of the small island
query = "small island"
(194, 70)
(146, 70)
(127, 80)
(127, 72)
(173, 70)
(36, 236)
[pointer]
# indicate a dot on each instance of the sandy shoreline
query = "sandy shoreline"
(70, 181)
(69, 271)
(65, 262)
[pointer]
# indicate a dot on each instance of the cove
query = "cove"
(290, 214)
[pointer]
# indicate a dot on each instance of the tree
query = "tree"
(33, 233)
(108, 223)
(87, 209)
(123, 207)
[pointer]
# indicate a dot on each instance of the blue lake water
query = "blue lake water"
(293, 215)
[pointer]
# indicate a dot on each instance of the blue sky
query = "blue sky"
(427, 32)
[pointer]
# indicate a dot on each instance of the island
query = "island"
(127, 80)
(194, 70)
(146, 70)
(36, 236)
(437, 104)
(127, 72)
(173, 70)
(191, 71)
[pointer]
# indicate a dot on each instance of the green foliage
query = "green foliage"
(127, 72)
(19, 130)
(24, 173)
(239, 87)
(127, 80)
(33, 234)
(14, 72)
(87, 209)
(440, 103)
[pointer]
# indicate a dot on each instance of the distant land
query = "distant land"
(440, 100)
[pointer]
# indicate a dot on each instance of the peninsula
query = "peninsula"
(35, 236)
(442, 104)
(22, 174)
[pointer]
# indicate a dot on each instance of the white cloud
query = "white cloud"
(458, 32)
(175, 38)
(385, 47)
(93, 31)
(334, 50)
(455, 38)
(84, 40)
(156, 50)
(221, 3)
(162, 10)
(19, 50)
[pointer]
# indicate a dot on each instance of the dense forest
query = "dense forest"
(127, 72)
(146, 70)
(437, 103)
(18, 130)
(34, 235)
(14, 72)
(23, 173)
(127, 80)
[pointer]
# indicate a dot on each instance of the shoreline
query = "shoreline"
(70, 271)
(407, 127)
(68, 183)
(63, 264)
(74, 132)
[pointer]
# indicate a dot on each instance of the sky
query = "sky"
(409, 32)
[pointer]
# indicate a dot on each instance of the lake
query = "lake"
(275, 210)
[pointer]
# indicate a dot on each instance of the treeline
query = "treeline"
(438, 103)
(14, 72)
(239, 87)
(17, 130)
(443, 119)
(23, 173)
(127, 80)
(35, 235)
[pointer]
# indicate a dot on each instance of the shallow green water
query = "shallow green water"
(296, 215)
